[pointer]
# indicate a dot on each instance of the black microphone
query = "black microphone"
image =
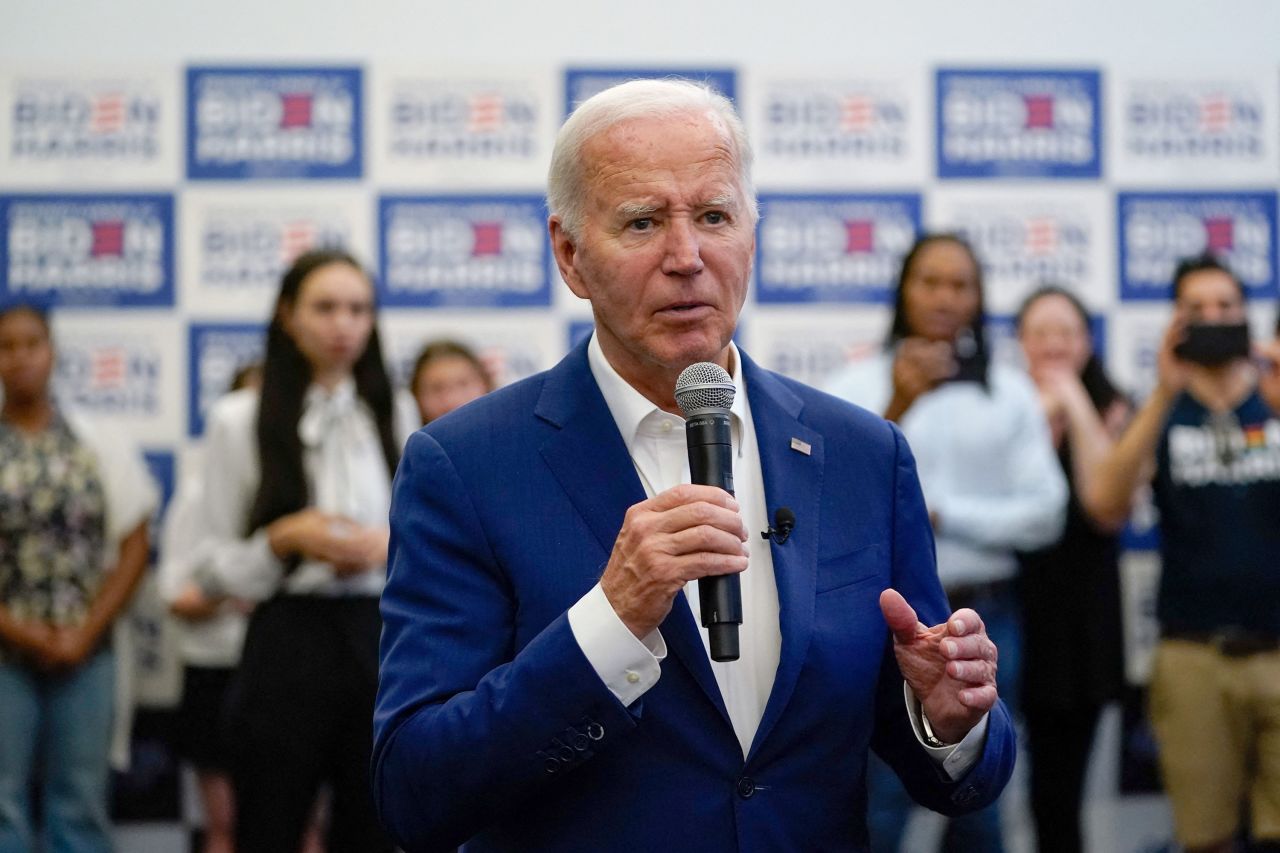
(704, 392)
(784, 521)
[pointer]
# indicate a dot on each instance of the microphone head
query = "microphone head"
(784, 518)
(702, 386)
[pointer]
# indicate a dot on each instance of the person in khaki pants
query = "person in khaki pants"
(1208, 440)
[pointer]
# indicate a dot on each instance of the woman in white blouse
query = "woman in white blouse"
(987, 467)
(297, 485)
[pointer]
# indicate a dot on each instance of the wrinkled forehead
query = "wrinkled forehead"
(681, 139)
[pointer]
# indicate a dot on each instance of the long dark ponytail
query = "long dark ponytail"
(286, 375)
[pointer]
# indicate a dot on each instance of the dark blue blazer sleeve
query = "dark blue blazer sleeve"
(466, 724)
(915, 576)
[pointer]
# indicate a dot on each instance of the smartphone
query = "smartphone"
(1213, 344)
(971, 362)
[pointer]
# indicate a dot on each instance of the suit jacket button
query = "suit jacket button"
(746, 787)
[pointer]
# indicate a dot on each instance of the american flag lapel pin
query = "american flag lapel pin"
(801, 446)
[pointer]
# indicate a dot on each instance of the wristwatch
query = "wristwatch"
(930, 739)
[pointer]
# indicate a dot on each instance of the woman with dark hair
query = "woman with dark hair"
(296, 492)
(1072, 587)
(447, 375)
(75, 499)
(986, 467)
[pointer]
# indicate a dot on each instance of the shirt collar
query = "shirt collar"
(323, 409)
(629, 407)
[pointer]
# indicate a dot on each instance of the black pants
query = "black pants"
(1059, 743)
(301, 712)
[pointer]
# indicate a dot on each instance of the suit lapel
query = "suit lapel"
(792, 478)
(586, 454)
(589, 459)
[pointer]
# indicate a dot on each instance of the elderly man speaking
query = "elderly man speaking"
(545, 684)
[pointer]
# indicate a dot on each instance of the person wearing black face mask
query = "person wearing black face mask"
(1208, 440)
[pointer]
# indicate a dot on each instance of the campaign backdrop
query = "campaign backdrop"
(154, 208)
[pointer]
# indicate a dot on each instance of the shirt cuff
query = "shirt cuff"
(627, 666)
(249, 569)
(955, 759)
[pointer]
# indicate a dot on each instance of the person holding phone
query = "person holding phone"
(991, 478)
(1208, 440)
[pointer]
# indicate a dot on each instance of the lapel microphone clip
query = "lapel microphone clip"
(783, 522)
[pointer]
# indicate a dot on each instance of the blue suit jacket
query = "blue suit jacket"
(492, 726)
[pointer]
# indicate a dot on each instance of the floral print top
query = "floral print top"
(52, 525)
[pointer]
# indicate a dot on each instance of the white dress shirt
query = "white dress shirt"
(346, 475)
(630, 667)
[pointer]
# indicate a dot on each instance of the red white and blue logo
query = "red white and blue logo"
(215, 352)
(1025, 239)
(249, 249)
(80, 121)
(1199, 121)
(582, 83)
(291, 123)
(112, 375)
(464, 250)
(101, 250)
(1156, 230)
(834, 120)
(833, 247)
(1018, 124)
(434, 119)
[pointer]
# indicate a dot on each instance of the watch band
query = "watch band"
(930, 738)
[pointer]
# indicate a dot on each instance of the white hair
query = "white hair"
(566, 195)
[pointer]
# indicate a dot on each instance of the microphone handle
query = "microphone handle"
(711, 464)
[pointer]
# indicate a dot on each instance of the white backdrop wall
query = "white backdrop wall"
(161, 162)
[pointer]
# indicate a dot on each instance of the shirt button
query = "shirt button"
(633, 677)
(746, 787)
(666, 426)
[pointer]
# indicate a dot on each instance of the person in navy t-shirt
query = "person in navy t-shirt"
(1208, 441)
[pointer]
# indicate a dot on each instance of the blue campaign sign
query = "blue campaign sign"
(160, 466)
(578, 330)
(582, 83)
(833, 247)
(100, 250)
(464, 251)
(1157, 230)
(274, 123)
(215, 351)
(1025, 123)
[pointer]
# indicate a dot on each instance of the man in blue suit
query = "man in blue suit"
(544, 684)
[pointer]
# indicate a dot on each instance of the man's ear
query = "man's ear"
(566, 252)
